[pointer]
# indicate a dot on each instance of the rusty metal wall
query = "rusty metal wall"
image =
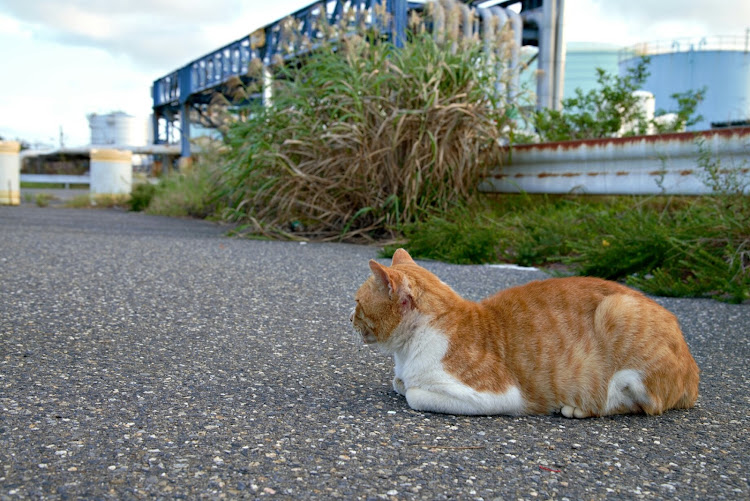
(641, 165)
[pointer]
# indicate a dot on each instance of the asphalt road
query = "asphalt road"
(147, 357)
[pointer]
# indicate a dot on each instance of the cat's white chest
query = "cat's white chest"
(428, 387)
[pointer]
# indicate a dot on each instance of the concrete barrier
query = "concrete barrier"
(641, 165)
(111, 172)
(10, 171)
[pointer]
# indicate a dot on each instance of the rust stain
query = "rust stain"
(657, 172)
(593, 174)
(622, 173)
(683, 137)
(520, 175)
(547, 174)
(686, 172)
(744, 170)
(571, 174)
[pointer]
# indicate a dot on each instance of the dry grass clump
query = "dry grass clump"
(364, 137)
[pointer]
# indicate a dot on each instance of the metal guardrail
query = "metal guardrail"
(66, 179)
(666, 164)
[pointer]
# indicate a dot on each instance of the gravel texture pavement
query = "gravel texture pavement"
(147, 357)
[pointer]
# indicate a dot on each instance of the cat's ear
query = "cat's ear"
(382, 276)
(386, 278)
(401, 257)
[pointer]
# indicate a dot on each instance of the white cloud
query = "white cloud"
(729, 17)
(636, 21)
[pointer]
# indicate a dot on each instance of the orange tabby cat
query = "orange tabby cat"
(580, 346)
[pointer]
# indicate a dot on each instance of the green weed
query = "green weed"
(44, 199)
(100, 201)
(141, 196)
(191, 192)
(675, 246)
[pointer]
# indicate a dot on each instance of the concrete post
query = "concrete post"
(10, 173)
(111, 172)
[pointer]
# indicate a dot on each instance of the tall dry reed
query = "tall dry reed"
(364, 137)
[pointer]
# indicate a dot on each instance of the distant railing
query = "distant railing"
(687, 44)
(64, 179)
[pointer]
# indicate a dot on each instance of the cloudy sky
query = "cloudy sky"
(62, 60)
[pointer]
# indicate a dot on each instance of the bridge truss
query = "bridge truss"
(193, 87)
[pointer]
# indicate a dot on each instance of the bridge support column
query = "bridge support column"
(10, 173)
(186, 85)
(185, 131)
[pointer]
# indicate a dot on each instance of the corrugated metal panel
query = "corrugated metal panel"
(641, 165)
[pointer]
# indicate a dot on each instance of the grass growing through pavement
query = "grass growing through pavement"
(56, 186)
(103, 201)
(190, 192)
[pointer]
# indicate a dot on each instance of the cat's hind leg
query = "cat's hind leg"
(627, 393)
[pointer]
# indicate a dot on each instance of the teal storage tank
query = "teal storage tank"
(721, 64)
(581, 62)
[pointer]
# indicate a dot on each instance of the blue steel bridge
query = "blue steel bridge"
(191, 88)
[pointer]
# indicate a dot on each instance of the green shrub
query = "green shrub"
(141, 196)
(191, 192)
(709, 254)
(611, 109)
(43, 199)
(621, 243)
(674, 246)
(462, 238)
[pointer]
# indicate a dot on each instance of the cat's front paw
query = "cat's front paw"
(398, 386)
(574, 412)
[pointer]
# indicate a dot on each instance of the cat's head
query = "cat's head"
(393, 299)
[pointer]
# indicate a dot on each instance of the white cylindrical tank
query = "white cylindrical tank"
(111, 172)
(646, 103)
(117, 129)
(10, 173)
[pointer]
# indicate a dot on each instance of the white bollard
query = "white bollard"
(111, 172)
(10, 173)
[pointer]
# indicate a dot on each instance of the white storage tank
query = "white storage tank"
(117, 129)
(720, 64)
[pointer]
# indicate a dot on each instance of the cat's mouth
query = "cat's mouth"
(368, 338)
(364, 333)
